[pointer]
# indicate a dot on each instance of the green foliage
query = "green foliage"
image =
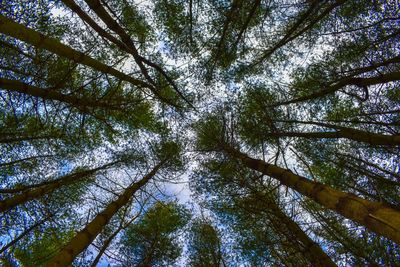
(204, 245)
(42, 247)
(152, 241)
(136, 24)
(243, 65)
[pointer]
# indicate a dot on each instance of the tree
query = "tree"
(205, 248)
(152, 241)
(283, 114)
(376, 216)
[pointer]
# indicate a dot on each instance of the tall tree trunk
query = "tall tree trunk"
(110, 239)
(310, 249)
(375, 216)
(47, 187)
(24, 233)
(126, 44)
(344, 132)
(30, 36)
(360, 82)
(50, 94)
(86, 236)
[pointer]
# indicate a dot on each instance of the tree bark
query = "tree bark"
(30, 36)
(86, 236)
(344, 132)
(311, 251)
(47, 187)
(126, 45)
(375, 216)
(52, 94)
(360, 82)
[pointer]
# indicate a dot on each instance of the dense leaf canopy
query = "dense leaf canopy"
(199, 133)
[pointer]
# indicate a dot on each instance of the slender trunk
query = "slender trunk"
(52, 94)
(373, 165)
(375, 216)
(30, 36)
(310, 249)
(378, 178)
(86, 236)
(126, 45)
(292, 34)
(104, 247)
(344, 132)
(86, 18)
(341, 235)
(11, 163)
(285, 226)
(47, 187)
(110, 239)
(251, 14)
(24, 233)
(15, 139)
(360, 82)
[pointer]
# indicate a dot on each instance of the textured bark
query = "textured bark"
(47, 187)
(348, 133)
(51, 94)
(110, 239)
(126, 45)
(360, 82)
(376, 216)
(311, 250)
(39, 40)
(86, 236)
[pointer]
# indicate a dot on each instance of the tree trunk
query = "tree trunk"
(86, 236)
(126, 45)
(310, 250)
(375, 216)
(295, 31)
(39, 40)
(24, 233)
(348, 133)
(47, 187)
(361, 82)
(109, 240)
(104, 247)
(51, 94)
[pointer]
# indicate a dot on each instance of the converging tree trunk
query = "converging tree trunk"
(86, 236)
(37, 191)
(310, 249)
(344, 132)
(375, 216)
(51, 94)
(30, 36)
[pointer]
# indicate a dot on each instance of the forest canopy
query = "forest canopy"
(199, 133)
